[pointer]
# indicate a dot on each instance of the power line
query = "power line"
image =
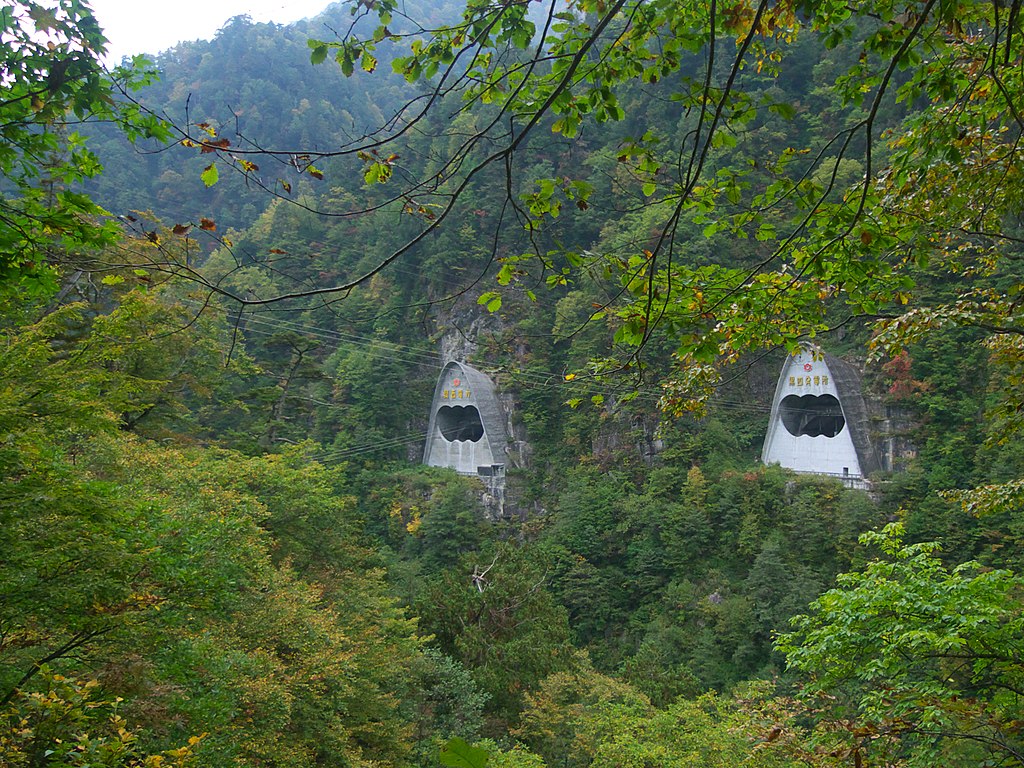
(411, 355)
(380, 445)
(530, 379)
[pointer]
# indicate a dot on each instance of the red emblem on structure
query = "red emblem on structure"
(456, 382)
(807, 366)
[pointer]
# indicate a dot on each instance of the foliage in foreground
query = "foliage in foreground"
(229, 595)
(914, 663)
(53, 80)
(64, 724)
(153, 569)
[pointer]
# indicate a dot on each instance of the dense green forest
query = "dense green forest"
(230, 278)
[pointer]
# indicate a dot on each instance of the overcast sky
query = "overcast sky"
(146, 26)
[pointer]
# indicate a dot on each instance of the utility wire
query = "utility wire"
(408, 354)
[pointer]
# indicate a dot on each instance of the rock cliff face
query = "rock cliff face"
(519, 450)
(888, 426)
(629, 432)
(461, 330)
(892, 429)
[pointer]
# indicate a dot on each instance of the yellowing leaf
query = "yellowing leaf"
(210, 175)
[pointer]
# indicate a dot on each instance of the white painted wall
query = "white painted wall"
(808, 374)
(464, 456)
(460, 385)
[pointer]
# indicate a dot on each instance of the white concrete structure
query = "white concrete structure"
(818, 420)
(467, 424)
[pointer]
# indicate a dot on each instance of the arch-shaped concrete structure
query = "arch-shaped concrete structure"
(467, 423)
(818, 424)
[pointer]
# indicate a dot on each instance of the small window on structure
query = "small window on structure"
(812, 415)
(460, 423)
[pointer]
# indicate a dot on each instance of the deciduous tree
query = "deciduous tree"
(53, 80)
(912, 661)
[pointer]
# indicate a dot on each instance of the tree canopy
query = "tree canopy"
(54, 81)
(207, 511)
(905, 167)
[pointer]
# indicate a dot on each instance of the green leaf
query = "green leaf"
(492, 299)
(344, 58)
(319, 53)
(210, 175)
(785, 111)
(457, 753)
(722, 140)
(377, 173)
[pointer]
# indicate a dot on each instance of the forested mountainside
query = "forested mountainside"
(222, 332)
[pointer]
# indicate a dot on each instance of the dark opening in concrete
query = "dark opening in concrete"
(812, 415)
(460, 423)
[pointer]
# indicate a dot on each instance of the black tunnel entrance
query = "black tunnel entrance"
(460, 423)
(812, 415)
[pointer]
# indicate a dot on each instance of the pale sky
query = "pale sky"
(147, 26)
